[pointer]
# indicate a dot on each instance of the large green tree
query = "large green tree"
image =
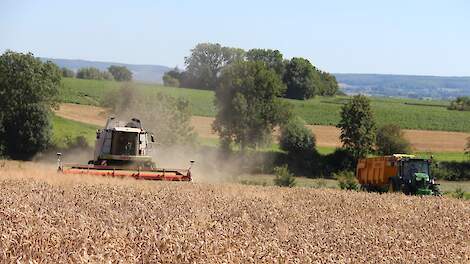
(28, 91)
(120, 73)
(357, 126)
(248, 107)
(206, 62)
(272, 58)
(301, 78)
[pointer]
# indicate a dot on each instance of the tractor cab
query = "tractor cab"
(415, 173)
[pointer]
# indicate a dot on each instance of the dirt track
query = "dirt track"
(327, 136)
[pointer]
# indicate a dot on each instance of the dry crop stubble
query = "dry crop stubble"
(45, 217)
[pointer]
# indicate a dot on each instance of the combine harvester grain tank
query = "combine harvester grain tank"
(122, 150)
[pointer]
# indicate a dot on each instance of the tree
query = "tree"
(206, 62)
(105, 75)
(28, 91)
(92, 73)
(272, 58)
(390, 140)
(68, 73)
(120, 73)
(357, 126)
(247, 103)
(301, 79)
(329, 85)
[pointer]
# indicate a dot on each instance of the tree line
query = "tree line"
(205, 64)
(461, 103)
(113, 72)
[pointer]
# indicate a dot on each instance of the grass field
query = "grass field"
(65, 131)
(51, 218)
(408, 113)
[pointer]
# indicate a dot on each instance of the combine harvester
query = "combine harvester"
(122, 150)
(397, 173)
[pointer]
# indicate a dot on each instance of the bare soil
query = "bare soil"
(327, 136)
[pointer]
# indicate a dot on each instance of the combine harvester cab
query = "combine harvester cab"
(397, 173)
(121, 150)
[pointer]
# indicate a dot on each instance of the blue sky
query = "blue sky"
(362, 36)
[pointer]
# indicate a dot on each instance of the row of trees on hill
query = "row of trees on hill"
(118, 73)
(207, 61)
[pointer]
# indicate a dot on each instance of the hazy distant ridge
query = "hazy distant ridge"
(410, 86)
(144, 73)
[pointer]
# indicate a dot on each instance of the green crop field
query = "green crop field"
(65, 131)
(408, 113)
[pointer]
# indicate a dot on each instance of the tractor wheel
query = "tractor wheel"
(391, 186)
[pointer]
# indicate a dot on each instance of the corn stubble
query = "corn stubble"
(51, 218)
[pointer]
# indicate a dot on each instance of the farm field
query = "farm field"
(66, 130)
(408, 113)
(46, 217)
(443, 145)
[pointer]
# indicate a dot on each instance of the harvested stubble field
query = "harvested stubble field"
(45, 217)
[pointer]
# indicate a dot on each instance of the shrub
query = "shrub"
(66, 72)
(339, 160)
(320, 183)
(452, 171)
(461, 104)
(390, 140)
(283, 177)
(170, 81)
(296, 138)
(459, 193)
(92, 73)
(347, 180)
(299, 143)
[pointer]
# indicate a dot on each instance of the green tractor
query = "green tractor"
(397, 173)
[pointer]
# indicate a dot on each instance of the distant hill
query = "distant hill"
(408, 86)
(144, 73)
